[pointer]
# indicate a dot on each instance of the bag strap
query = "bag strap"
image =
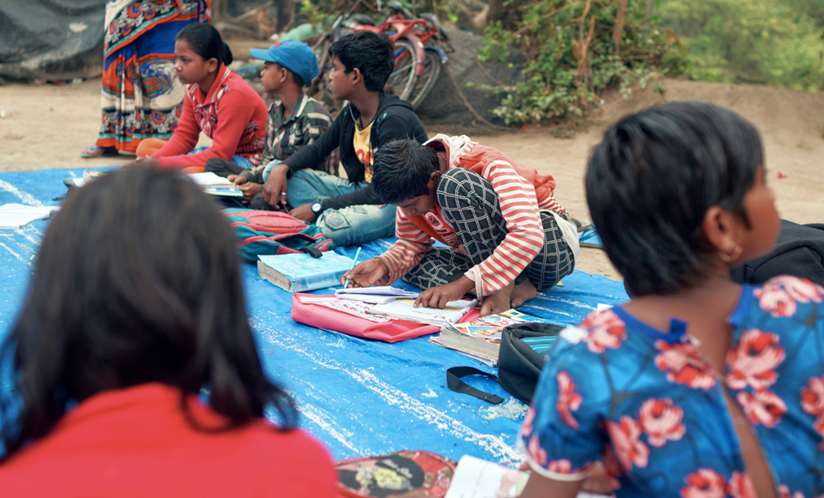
(454, 383)
(312, 251)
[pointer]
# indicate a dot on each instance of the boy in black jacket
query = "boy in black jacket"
(349, 211)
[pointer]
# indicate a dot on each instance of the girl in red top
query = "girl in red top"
(218, 102)
(135, 308)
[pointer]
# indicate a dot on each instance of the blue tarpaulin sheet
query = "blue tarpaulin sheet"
(359, 397)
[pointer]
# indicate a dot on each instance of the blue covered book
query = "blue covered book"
(301, 272)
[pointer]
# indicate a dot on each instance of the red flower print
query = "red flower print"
(661, 421)
(754, 360)
(568, 399)
(779, 295)
(762, 407)
(526, 427)
(819, 426)
(775, 300)
(740, 486)
(559, 466)
(626, 443)
(604, 330)
(705, 483)
(784, 492)
(535, 452)
(801, 289)
(684, 365)
(812, 396)
(564, 466)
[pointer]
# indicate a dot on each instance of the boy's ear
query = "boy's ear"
(357, 76)
(435, 177)
(720, 230)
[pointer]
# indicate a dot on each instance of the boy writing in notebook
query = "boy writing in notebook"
(507, 236)
(349, 211)
(293, 121)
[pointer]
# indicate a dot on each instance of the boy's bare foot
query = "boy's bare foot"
(522, 293)
(498, 302)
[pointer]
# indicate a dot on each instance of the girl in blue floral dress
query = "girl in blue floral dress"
(699, 387)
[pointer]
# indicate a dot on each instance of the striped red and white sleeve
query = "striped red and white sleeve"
(526, 234)
(412, 245)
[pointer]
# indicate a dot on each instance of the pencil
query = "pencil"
(357, 255)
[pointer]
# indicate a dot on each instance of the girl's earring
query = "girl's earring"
(732, 256)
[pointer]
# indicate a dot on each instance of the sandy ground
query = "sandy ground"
(47, 126)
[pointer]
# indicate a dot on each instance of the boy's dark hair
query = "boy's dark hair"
(651, 181)
(402, 169)
(371, 53)
(206, 42)
(295, 78)
(136, 281)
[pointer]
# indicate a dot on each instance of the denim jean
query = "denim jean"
(347, 226)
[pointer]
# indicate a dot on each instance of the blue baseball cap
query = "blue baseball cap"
(294, 55)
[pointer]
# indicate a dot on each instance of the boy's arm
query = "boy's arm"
(412, 245)
(526, 233)
(315, 122)
(235, 116)
(276, 184)
(254, 174)
(315, 152)
(185, 135)
(268, 153)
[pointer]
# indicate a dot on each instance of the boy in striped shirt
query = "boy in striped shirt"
(507, 236)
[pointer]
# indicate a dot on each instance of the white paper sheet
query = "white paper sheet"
(14, 216)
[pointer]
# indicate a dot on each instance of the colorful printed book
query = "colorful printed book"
(482, 336)
(492, 362)
(301, 272)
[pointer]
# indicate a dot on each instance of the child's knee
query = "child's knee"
(149, 146)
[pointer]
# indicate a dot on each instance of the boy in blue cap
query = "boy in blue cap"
(294, 119)
(349, 211)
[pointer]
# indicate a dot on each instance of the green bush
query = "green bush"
(773, 42)
(561, 78)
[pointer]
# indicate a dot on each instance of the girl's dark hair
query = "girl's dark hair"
(136, 281)
(651, 181)
(402, 170)
(371, 53)
(206, 42)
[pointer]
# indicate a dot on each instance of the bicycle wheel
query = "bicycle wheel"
(426, 82)
(320, 85)
(402, 80)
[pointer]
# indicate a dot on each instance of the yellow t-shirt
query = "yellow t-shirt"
(363, 149)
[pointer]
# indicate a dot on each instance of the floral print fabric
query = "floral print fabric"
(647, 405)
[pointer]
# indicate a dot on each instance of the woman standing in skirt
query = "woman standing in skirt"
(141, 96)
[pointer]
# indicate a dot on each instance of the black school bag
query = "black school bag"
(519, 366)
(799, 252)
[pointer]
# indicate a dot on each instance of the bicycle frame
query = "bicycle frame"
(396, 28)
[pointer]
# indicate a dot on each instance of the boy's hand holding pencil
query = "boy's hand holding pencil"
(366, 274)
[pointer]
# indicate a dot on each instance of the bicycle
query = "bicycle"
(417, 59)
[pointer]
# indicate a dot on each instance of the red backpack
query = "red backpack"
(272, 232)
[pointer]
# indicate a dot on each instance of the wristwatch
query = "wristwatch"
(317, 207)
